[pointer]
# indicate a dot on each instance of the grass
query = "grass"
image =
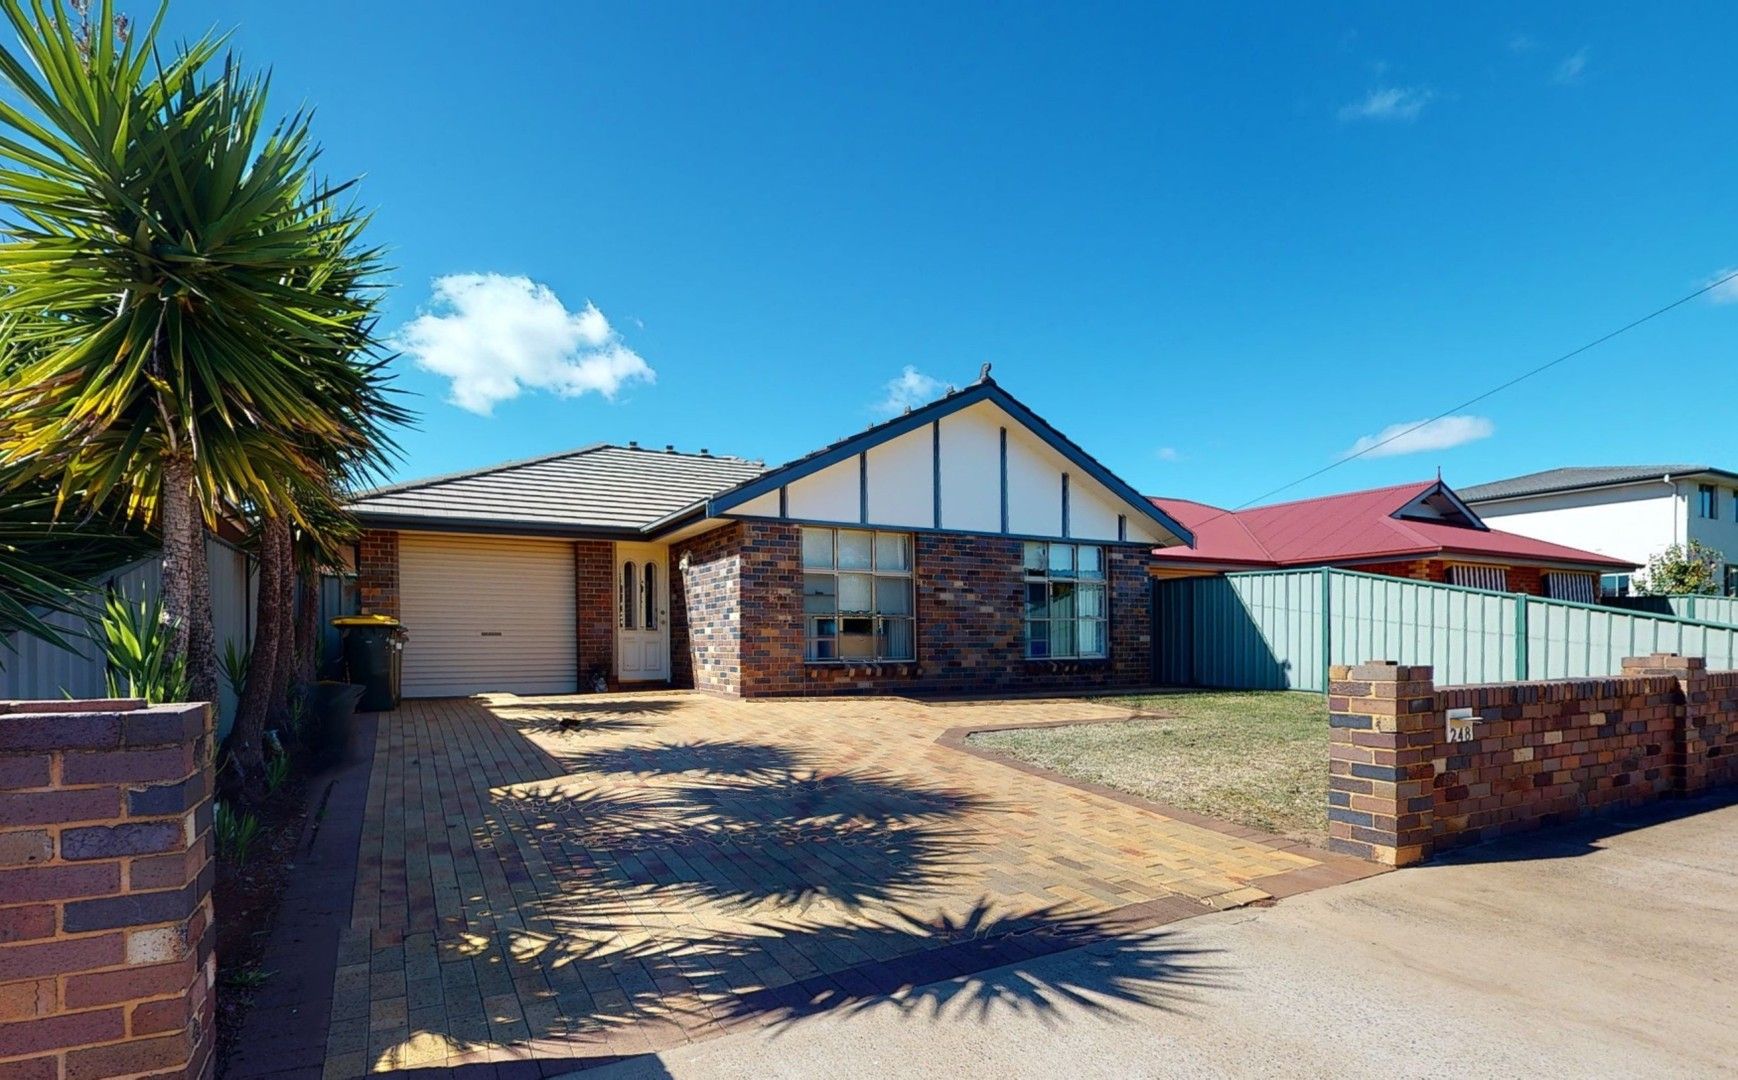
(1257, 759)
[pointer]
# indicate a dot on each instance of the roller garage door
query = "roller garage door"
(487, 614)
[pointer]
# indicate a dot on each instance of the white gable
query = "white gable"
(893, 484)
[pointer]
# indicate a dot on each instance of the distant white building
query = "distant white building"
(1632, 512)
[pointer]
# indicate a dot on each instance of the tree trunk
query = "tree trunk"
(202, 665)
(285, 669)
(247, 740)
(307, 626)
(175, 520)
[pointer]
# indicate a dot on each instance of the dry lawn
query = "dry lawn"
(1255, 758)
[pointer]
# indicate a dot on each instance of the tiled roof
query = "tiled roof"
(595, 488)
(1355, 527)
(1578, 478)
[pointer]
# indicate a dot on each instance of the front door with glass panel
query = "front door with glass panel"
(642, 613)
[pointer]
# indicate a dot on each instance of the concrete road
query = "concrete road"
(1591, 952)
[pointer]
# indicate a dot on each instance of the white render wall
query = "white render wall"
(901, 485)
(1631, 522)
(1721, 533)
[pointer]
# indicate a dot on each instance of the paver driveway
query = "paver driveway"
(556, 880)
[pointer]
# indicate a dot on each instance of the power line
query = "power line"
(1524, 376)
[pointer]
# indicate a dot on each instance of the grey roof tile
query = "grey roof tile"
(1577, 478)
(606, 488)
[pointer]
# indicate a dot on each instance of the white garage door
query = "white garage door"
(487, 614)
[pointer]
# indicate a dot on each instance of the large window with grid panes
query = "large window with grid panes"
(1066, 602)
(857, 596)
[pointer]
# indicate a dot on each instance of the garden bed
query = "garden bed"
(1256, 759)
(245, 901)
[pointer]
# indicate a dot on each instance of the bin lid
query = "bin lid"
(365, 620)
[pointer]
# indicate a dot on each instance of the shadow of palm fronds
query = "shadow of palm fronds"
(716, 758)
(850, 797)
(917, 964)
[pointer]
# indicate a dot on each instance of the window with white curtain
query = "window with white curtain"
(1065, 601)
(857, 596)
(1581, 588)
(1475, 576)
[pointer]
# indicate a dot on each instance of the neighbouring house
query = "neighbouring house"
(1629, 512)
(1422, 531)
(965, 547)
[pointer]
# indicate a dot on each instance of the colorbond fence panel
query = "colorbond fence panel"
(1467, 635)
(1714, 609)
(38, 670)
(1253, 631)
(1268, 631)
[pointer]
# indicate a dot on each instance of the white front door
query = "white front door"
(642, 613)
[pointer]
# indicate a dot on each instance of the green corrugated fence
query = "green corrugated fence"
(1280, 630)
(1714, 609)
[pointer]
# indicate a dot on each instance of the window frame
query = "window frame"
(1486, 571)
(1708, 502)
(1555, 579)
(877, 619)
(1049, 575)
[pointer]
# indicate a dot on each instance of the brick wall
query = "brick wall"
(1536, 754)
(1522, 579)
(706, 611)
(594, 575)
(377, 572)
(106, 963)
(742, 612)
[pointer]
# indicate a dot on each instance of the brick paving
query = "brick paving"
(546, 882)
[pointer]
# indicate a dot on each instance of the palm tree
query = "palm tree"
(180, 294)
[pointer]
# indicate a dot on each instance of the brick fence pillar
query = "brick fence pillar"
(1384, 728)
(377, 572)
(106, 962)
(1688, 761)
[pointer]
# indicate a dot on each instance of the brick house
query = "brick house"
(965, 547)
(1421, 530)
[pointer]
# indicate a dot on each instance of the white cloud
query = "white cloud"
(1727, 291)
(1388, 103)
(1395, 439)
(1169, 453)
(1569, 72)
(911, 389)
(496, 336)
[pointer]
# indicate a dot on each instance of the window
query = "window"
(649, 597)
(1732, 580)
(630, 594)
(1479, 577)
(1567, 586)
(1614, 585)
(857, 596)
(1065, 601)
(1707, 501)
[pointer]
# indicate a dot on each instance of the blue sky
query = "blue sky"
(1215, 247)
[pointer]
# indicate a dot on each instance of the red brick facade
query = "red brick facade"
(106, 965)
(1521, 579)
(736, 616)
(377, 573)
(1536, 753)
(594, 571)
(737, 625)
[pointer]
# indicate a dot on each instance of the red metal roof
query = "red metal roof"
(1358, 526)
